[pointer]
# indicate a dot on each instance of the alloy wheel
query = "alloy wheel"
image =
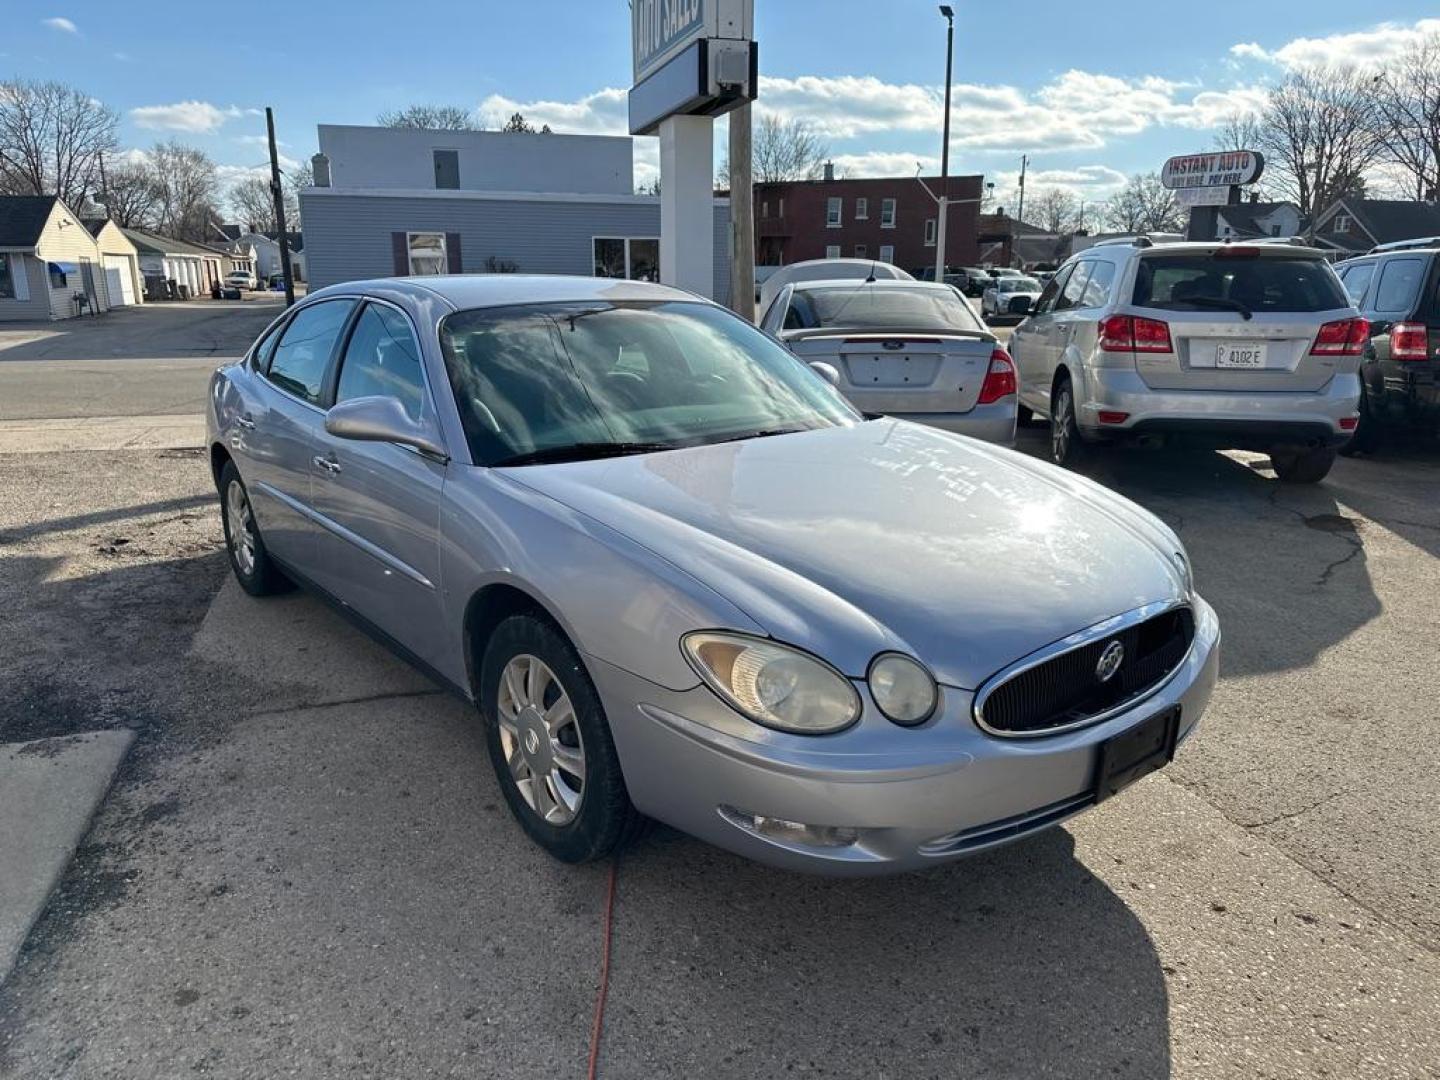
(541, 739)
(1061, 426)
(240, 525)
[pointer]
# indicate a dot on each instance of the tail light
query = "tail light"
(1134, 333)
(1408, 341)
(999, 380)
(1343, 337)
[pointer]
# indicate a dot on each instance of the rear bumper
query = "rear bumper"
(1230, 420)
(915, 797)
(993, 423)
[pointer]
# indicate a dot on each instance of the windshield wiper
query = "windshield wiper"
(1219, 302)
(580, 452)
(760, 433)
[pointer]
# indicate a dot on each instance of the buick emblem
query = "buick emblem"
(1110, 660)
(532, 740)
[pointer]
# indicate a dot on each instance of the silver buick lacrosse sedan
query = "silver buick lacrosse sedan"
(682, 579)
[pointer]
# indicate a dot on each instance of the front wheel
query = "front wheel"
(550, 743)
(1067, 448)
(1302, 466)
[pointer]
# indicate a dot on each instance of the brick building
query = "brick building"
(889, 220)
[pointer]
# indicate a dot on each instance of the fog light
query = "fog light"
(791, 832)
(1114, 417)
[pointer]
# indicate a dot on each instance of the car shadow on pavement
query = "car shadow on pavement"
(1283, 565)
(1016, 962)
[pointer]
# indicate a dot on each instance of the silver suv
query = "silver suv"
(1243, 346)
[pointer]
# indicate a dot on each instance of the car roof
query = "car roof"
(889, 283)
(463, 291)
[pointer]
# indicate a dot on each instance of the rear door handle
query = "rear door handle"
(245, 422)
(330, 465)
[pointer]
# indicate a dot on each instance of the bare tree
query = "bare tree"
(187, 188)
(1406, 117)
(1317, 131)
(1144, 205)
(781, 151)
(1055, 210)
(430, 117)
(130, 196)
(1238, 131)
(253, 204)
(52, 138)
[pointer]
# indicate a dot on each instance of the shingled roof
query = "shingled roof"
(23, 218)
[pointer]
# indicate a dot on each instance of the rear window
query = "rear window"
(1202, 282)
(1399, 285)
(871, 306)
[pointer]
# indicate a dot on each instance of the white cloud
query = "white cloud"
(605, 112)
(199, 117)
(876, 163)
(1371, 48)
(64, 25)
(258, 140)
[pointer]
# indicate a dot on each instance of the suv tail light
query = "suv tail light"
(1343, 337)
(1408, 341)
(1134, 333)
(999, 380)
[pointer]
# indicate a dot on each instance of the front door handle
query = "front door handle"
(330, 465)
(245, 422)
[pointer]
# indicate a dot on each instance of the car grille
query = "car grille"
(1066, 691)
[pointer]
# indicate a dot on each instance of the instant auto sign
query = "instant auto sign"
(1221, 169)
(661, 27)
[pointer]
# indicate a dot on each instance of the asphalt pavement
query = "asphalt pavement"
(305, 866)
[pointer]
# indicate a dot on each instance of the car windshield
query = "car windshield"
(1019, 284)
(548, 382)
(1237, 282)
(871, 306)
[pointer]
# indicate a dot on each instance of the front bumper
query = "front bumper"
(914, 796)
(993, 423)
(1242, 421)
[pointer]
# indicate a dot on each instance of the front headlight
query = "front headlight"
(774, 685)
(904, 690)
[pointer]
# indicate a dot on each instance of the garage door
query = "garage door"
(118, 277)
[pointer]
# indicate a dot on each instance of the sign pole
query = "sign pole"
(742, 215)
(687, 198)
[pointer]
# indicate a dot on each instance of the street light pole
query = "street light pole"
(949, 13)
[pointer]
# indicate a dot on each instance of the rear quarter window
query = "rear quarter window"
(1398, 286)
(1204, 282)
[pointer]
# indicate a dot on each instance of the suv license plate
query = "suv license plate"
(1240, 354)
(1136, 753)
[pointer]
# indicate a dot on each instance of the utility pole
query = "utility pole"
(742, 215)
(1020, 210)
(278, 193)
(949, 13)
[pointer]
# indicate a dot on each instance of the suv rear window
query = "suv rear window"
(1203, 282)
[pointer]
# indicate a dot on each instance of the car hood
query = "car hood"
(850, 541)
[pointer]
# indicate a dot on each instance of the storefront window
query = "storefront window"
(636, 258)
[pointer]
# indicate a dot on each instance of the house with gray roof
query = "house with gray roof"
(50, 264)
(1353, 226)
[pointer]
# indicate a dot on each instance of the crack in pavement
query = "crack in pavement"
(368, 698)
(1290, 814)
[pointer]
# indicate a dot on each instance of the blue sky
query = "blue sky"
(1090, 92)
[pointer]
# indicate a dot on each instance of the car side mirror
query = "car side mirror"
(1020, 305)
(828, 372)
(383, 419)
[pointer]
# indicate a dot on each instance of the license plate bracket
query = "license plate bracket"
(1134, 754)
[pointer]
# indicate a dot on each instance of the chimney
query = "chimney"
(321, 166)
(829, 171)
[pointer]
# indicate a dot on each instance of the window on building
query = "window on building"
(887, 253)
(765, 209)
(782, 208)
(862, 209)
(1341, 223)
(1275, 230)
(636, 258)
(303, 354)
(834, 212)
(862, 251)
(7, 278)
(58, 280)
(930, 232)
(427, 253)
(832, 251)
(887, 213)
(447, 169)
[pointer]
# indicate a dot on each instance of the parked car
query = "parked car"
(821, 270)
(683, 579)
(1241, 346)
(909, 349)
(999, 299)
(1397, 287)
(240, 279)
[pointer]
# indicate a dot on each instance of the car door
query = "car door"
(278, 420)
(378, 503)
(1029, 344)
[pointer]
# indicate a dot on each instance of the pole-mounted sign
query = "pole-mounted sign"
(694, 60)
(1223, 169)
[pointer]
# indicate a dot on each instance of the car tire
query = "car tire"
(1068, 448)
(560, 775)
(249, 558)
(1302, 466)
